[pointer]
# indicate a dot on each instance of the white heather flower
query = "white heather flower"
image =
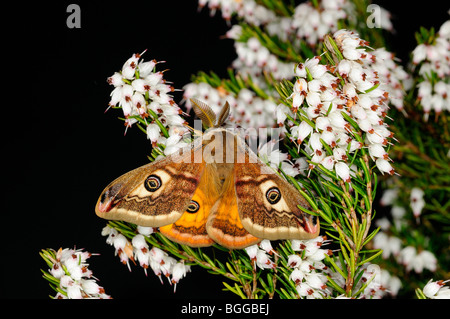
(312, 23)
(75, 281)
(156, 259)
(138, 89)
(146, 231)
(389, 196)
(377, 151)
(116, 79)
(90, 287)
(437, 290)
(282, 112)
(384, 166)
(74, 291)
(378, 282)
(153, 133)
(390, 245)
(375, 289)
(390, 283)
(301, 132)
(178, 272)
(259, 256)
(173, 144)
(433, 59)
(417, 201)
(167, 265)
(407, 255)
(294, 261)
(425, 89)
(432, 287)
(422, 52)
(397, 212)
(263, 261)
(418, 261)
(383, 223)
(316, 280)
(157, 255)
(124, 249)
(297, 276)
(146, 68)
(328, 162)
(343, 171)
(289, 169)
(254, 60)
(156, 267)
(267, 246)
(252, 251)
(307, 272)
(139, 242)
(248, 10)
(344, 67)
(57, 271)
(315, 143)
(393, 78)
(271, 155)
(428, 259)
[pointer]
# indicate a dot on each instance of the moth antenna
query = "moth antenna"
(223, 115)
(204, 112)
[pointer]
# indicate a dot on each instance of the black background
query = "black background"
(59, 147)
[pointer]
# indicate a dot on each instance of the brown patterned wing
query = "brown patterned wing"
(267, 203)
(155, 194)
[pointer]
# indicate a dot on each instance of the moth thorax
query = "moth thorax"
(219, 147)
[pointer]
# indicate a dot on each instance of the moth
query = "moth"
(214, 191)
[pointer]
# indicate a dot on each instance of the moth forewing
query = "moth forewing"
(155, 194)
(263, 215)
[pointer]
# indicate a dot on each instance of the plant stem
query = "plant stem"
(274, 277)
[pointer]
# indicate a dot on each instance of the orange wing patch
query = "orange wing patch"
(190, 228)
(224, 224)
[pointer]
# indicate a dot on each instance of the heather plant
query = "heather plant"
(354, 123)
